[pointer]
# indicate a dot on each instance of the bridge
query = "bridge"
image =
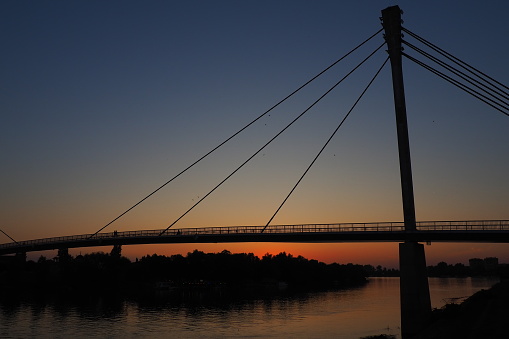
(415, 301)
(427, 231)
(464, 76)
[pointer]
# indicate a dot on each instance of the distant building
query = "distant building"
(489, 264)
(476, 264)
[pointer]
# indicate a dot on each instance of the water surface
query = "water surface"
(349, 314)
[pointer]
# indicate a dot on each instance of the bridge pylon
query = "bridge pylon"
(414, 289)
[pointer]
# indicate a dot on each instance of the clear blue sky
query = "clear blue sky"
(102, 102)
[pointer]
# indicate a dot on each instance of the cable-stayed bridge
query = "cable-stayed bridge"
(439, 62)
(415, 300)
(428, 231)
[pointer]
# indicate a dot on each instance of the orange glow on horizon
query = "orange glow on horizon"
(384, 254)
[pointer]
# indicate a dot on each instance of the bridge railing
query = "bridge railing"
(440, 226)
(468, 225)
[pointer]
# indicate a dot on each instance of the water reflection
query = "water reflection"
(455, 290)
(369, 310)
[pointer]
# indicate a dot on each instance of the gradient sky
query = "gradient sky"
(102, 102)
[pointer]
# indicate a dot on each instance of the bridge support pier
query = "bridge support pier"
(414, 289)
(116, 251)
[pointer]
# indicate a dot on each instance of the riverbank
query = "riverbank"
(483, 315)
(108, 274)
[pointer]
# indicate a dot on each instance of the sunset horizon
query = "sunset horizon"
(97, 116)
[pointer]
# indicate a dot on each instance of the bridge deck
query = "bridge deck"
(444, 231)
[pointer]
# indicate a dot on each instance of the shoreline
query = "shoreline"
(482, 315)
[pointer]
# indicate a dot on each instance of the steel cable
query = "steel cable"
(273, 138)
(456, 83)
(325, 145)
(237, 133)
(463, 76)
(457, 61)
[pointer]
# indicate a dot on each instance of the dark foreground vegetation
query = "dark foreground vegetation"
(112, 273)
(483, 315)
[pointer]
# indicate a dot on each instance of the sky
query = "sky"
(103, 102)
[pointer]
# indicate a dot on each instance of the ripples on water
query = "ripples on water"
(368, 310)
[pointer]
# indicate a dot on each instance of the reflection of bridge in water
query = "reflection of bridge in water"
(427, 231)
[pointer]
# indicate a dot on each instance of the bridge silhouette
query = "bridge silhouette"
(427, 231)
(409, 233)
(470, 80)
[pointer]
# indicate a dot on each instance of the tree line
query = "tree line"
(111, 271)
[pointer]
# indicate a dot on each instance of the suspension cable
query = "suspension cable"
(454, 82)
(8, 236)
(463, 76)
(456, 60)
(325, 145)
(273, 138)
(238, 132)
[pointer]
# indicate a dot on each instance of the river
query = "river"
(350, 314)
